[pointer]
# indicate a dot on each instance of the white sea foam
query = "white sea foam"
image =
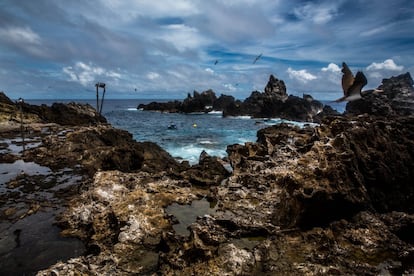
(192, 152)
(216, 112)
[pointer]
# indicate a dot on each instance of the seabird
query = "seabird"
(351, 85)
(257, 58)
(216, 62)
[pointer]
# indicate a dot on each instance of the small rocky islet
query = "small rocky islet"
(336, 198)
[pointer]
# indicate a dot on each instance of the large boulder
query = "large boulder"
(209, 171)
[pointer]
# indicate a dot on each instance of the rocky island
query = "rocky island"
(334, 199)
(274, 102)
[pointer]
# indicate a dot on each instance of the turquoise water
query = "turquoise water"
(193, 134)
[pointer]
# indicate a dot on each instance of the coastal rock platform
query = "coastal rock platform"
(334, 199)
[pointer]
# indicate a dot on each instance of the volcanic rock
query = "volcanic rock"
(396, 98)
(334, 199)
(276, 88)
(71, 114)
(198, 102)
(100, 148)
(209, 171)
(275, 103)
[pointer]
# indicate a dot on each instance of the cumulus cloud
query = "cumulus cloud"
(300, 75)
(388, 64)
(87, 74)
(332, 67)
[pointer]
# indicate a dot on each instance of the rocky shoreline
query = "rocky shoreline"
(335, 199)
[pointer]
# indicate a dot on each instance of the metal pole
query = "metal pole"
(102, 100)
(97, 98)
(21, 123)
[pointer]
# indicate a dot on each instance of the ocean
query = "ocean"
(193, 133)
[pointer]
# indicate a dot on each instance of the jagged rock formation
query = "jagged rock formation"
(397, 98)
(274, 102)
(276, 88)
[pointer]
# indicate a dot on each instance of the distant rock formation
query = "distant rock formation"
(276, 88)
(274, 102)
(198, 102)
(397, 98)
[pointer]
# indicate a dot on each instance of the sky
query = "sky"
(165, 49)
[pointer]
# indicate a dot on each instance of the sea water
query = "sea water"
(193, 132)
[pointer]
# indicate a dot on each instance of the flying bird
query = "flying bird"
(351, 85)
(216, 62)
(257, 58)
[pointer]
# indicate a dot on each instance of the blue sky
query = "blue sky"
(166, 49)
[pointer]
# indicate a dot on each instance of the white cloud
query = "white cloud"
(129, 11)
(229, 87)
(388, 64)
(153, 75)
(20, 35)
(374, 31)
(23, 38)
(300, 75)
(183, 37)
(319, 14)
(209, 70)
(332, 67)
(87, 74)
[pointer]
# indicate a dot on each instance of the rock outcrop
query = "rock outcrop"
(198, 102)
(396, 98)
(274, 102)
(71, 114)
(100, 148)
